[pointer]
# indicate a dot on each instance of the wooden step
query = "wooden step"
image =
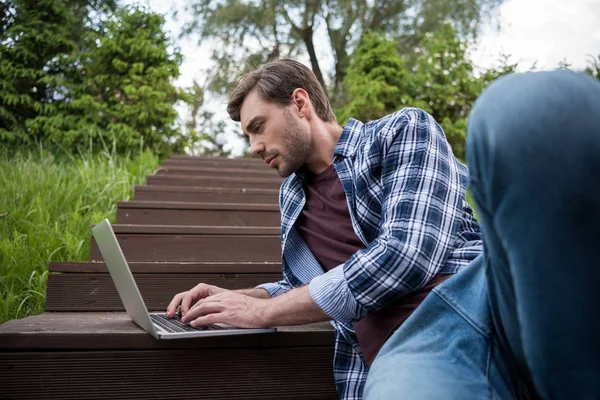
(105, 355)
(215, 171)
(195, 243)
(87, 286)
(206, 195)
(215, 214)
(214, 181)
(255, 164)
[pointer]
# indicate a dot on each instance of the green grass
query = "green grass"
(48, 204)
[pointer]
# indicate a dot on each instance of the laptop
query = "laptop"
(156, 324)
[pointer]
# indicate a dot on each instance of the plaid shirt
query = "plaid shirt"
(406, 198)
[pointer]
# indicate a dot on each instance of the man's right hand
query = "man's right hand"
(185, 300)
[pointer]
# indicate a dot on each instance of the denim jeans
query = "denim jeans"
(523, 320)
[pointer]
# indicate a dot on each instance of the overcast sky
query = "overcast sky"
(544, 32)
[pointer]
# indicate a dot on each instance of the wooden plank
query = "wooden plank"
(114, 330)
(245, 160)
(173, 213)
(206, 195)
(158, 216)
(198, 206)
(216, 171)
(196, 230)
(256, 162)
(189, 248)
(97, 292)
(213, 181)
(171, 267)
(91, 355)
(276, 373)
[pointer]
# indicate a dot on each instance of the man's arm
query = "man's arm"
(257, 293)
(296, 307)
(421, 211)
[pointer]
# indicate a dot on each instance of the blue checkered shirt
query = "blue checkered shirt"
(406, 198)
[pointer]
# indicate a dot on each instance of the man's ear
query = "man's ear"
(301, 102)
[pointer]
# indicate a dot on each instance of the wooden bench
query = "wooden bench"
(212, 214)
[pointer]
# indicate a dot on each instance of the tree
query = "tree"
(437, 77)
(34, 33)
(71, 79)
(121, 90)
(250, 32)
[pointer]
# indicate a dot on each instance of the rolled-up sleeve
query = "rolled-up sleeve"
(275, 288)
(422, 193)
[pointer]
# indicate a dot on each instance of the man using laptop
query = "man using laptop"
(374, 218)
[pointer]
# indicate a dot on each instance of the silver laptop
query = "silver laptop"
(156, 324)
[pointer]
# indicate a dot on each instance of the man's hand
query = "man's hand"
(186, 299)
(231, 308)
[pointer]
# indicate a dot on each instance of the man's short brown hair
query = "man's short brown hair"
(276, 81)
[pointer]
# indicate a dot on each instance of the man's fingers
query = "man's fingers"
(207, 319)
(202, 310)
(172, 308)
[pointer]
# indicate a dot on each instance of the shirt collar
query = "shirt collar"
(347, 144)
(345, 147)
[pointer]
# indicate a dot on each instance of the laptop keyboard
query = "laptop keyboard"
(175, 325)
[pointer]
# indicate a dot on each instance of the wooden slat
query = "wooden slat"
(173, 213)
(103, 355)
(198, 206)
(206, 195)
(173, 247)
(213, 181)
(242, 160)
(97, 292)
(257, 162)
(216, 171)
(171, 268)
(114, 330)
(209, 374)
(196, 230)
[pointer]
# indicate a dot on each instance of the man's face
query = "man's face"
(275, 133)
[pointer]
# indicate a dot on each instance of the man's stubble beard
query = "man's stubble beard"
(296, 143)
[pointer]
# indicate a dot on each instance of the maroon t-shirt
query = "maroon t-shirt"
(326, 227)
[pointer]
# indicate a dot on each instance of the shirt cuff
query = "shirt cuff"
(274, 288)
(331, 293)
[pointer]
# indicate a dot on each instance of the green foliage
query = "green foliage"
(436, 76)
(48, 203)
(248, 31)
(593, 68)
(114, 83)
(34, 34)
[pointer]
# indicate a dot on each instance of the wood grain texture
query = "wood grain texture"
(114, 330)
(206, 195)
(174, 247)
(174, 374)
(233, 171)
(213, 181)
(172, 267)
(97, 292)
(156, 213)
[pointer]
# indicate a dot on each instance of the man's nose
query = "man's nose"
(256, 147)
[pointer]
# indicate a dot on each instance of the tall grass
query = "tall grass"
(48, 204)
